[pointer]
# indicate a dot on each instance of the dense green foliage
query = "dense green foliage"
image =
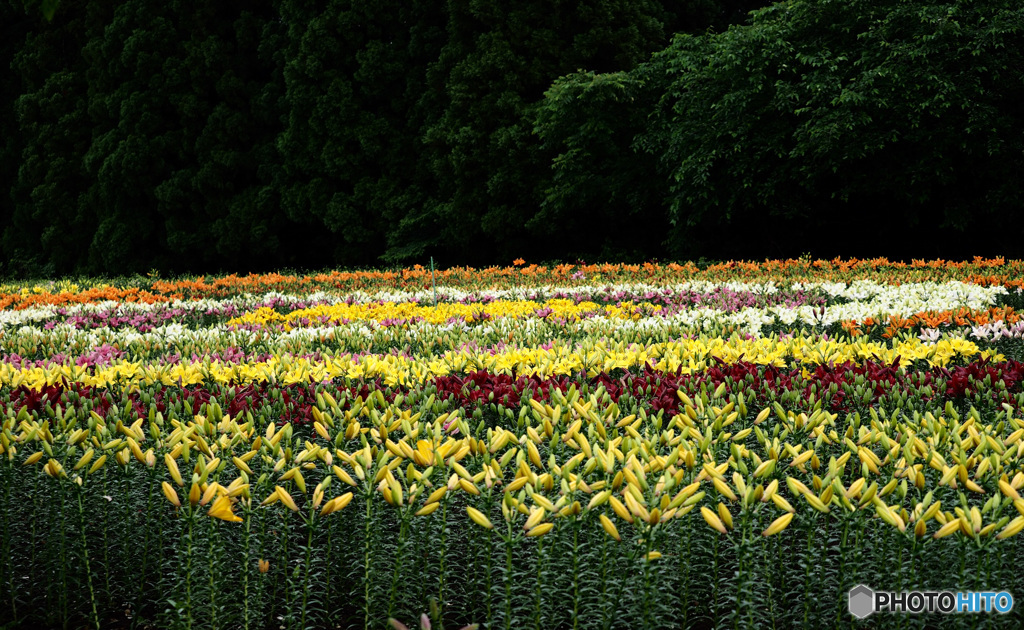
(842, 125)
(188, 136)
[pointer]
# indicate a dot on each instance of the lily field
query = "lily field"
(571, 446)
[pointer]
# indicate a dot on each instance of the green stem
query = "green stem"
(34, 492)
(106, 547)
(127, 528)
(899, 572)
(264, 554)
(714, 581)
(988, 567)
(748, 554)
(537, 584)
(740, 582)
(961, 579)
(770, 603)
(366, 563)
(444, 551)
(8, 556)
(684, 561)
(842, 568)
(309, 559)
(575, 574)
(63, 562)
(188, 569)
(402, 533)
(985, 585)
(145, 545)
(648, 543)
(604, 582)
(781, 572)
(807, 575)
(490, 564)
(508, 578)
(284, 564)
(914, 583)
(630, 562)
(327, 565)
(212, 568)
(246, 568)
(85, 556)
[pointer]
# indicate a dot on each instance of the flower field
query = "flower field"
(596, 446)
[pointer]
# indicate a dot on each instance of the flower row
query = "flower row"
(377, 504)
(588, 357)
(837, 388)
(996, 271)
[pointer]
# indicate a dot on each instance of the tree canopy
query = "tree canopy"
(189, 136)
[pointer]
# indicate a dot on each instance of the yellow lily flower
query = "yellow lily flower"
(221, 509)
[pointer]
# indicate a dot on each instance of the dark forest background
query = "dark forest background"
(189, 136)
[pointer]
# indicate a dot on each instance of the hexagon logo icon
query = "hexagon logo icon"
(862, 601)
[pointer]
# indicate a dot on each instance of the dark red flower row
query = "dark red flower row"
(840, 388)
